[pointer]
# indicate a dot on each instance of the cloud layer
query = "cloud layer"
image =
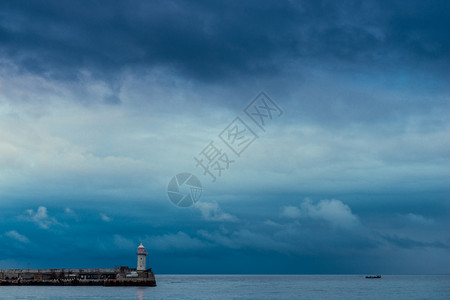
(101, 103)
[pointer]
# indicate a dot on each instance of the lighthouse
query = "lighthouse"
(141, 258)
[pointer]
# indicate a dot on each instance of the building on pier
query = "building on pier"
(115, 276)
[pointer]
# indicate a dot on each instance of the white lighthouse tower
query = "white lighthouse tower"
(141, 258)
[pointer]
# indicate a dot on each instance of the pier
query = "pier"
(120, 276)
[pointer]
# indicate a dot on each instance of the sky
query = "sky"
(102, 103)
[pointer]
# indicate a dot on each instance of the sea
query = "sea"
(277, 287)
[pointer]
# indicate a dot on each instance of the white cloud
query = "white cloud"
(40, 217)
(247, 239)
(105, 218)
(292, 212)
(17, 236)
(69, 211)
(178, 241)
(271, 223)
(219, 238)
(123, 243)
(332, 211)
(211, 212)
(418, 219)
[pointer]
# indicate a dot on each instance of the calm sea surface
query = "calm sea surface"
(262, 287)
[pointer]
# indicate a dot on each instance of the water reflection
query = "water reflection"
(140, 293)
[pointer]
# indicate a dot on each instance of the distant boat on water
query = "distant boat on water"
(373, 276)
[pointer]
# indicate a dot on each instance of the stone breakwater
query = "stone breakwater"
(121, 276)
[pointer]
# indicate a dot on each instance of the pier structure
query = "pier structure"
(120, 276)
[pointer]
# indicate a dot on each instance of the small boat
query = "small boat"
(373, 276)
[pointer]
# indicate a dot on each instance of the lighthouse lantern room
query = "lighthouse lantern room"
(141, 258)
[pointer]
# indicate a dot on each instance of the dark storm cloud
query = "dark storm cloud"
(410, 243)
(217, 40)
